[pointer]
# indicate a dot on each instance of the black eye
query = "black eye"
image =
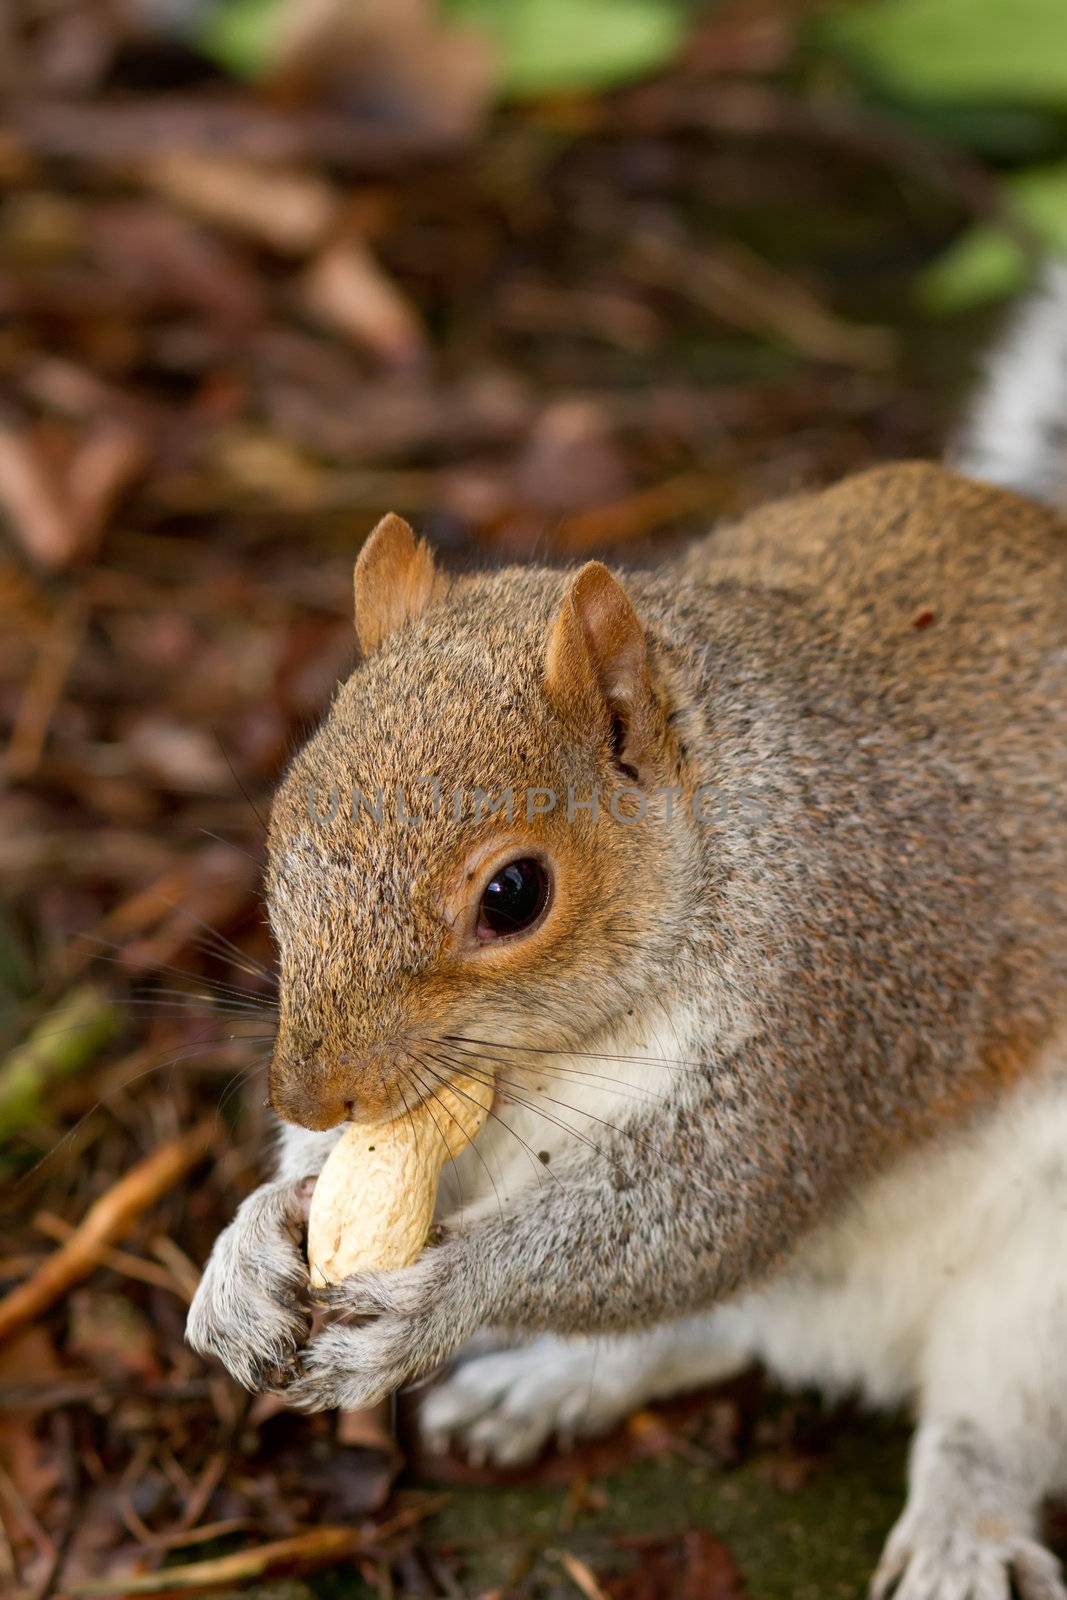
(514, 899)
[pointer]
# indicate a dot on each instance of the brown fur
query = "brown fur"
(394, 581)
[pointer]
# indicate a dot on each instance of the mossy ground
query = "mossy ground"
(806, 1542)
(809, 1534)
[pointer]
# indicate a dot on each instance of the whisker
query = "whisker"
(623, 1132)
(631, 1090)
(165, 967)
(427, 1097)
(410, 1115)
(593, 1055)
(473, 1146)
(225, 944)
(167, 996)
(535, 1106)
(237, 781)
(539, 1167)
(237, 1082)
(186, 1052)
(232, 844)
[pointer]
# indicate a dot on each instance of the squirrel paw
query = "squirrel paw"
(502, 1408)
(411, 1321)
(930, 1558)
(250, 1309)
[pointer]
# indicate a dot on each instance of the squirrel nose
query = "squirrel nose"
(317, 1111)
(314, 1104)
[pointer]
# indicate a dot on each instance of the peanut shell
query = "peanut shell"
(373, 1203)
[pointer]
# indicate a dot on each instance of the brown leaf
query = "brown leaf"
(165, 261)
(29, 1357)
(289, 211)
(401, 56)
(31, 503)
(348, 291)
(107, 462)
(695, 1567)
(571, 460)
(109, 1333)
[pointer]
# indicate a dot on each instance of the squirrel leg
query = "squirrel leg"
(504, 1406)
(251, 1309)
(992, 1439)
(969, 1529)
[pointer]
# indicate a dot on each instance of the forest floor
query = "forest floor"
(233, 332)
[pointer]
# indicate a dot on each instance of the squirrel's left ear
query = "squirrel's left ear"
(395, 580)
(596, 665)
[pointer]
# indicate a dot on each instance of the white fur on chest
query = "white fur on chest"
(553, 1105)
(858, 1307)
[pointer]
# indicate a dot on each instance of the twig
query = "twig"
(107, 1219)
(44, 689)
(52, 1393)
(63, 1435)
(121, 1261)
(202, 1535)
(583, 1578)
(641, 513)
(184, 1277)
(37, 516)
(302, 1549)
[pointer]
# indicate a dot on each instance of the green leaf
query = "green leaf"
(963, 50)
(240, 35)
(549, 46)
(984, 265)
(73, 1034)
(987, 261)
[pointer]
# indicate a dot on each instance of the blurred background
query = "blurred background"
(549, 277)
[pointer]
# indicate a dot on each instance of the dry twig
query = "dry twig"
(107, 1219)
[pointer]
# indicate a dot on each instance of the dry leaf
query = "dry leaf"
(348, 291)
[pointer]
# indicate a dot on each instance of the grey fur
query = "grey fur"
(872, 958)
(877, 957)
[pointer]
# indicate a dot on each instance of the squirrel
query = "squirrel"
(773, 992)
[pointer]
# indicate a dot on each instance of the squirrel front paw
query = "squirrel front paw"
(251, 1309)
(410, 1322)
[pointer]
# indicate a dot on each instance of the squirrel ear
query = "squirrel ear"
(395, 580)
(596, 665)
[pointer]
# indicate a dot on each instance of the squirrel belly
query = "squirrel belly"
(893, 1295)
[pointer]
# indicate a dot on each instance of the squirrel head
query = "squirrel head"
(441, 881)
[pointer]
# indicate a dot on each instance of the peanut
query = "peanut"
(373, 1203)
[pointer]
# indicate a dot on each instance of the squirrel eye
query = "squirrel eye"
(513, 900)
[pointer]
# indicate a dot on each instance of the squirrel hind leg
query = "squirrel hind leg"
(991, 1442)
(968, 1531)
(503, 1407)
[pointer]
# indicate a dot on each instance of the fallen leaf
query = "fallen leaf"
(32, 1467)
(109, 1333)
(695, 1567)
(30, 502)
(290, 211)
(348, 291)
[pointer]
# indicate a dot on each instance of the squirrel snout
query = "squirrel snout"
(318, 1090)
(316, 1109)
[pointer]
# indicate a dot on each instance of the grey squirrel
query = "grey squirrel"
(782, 1080)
